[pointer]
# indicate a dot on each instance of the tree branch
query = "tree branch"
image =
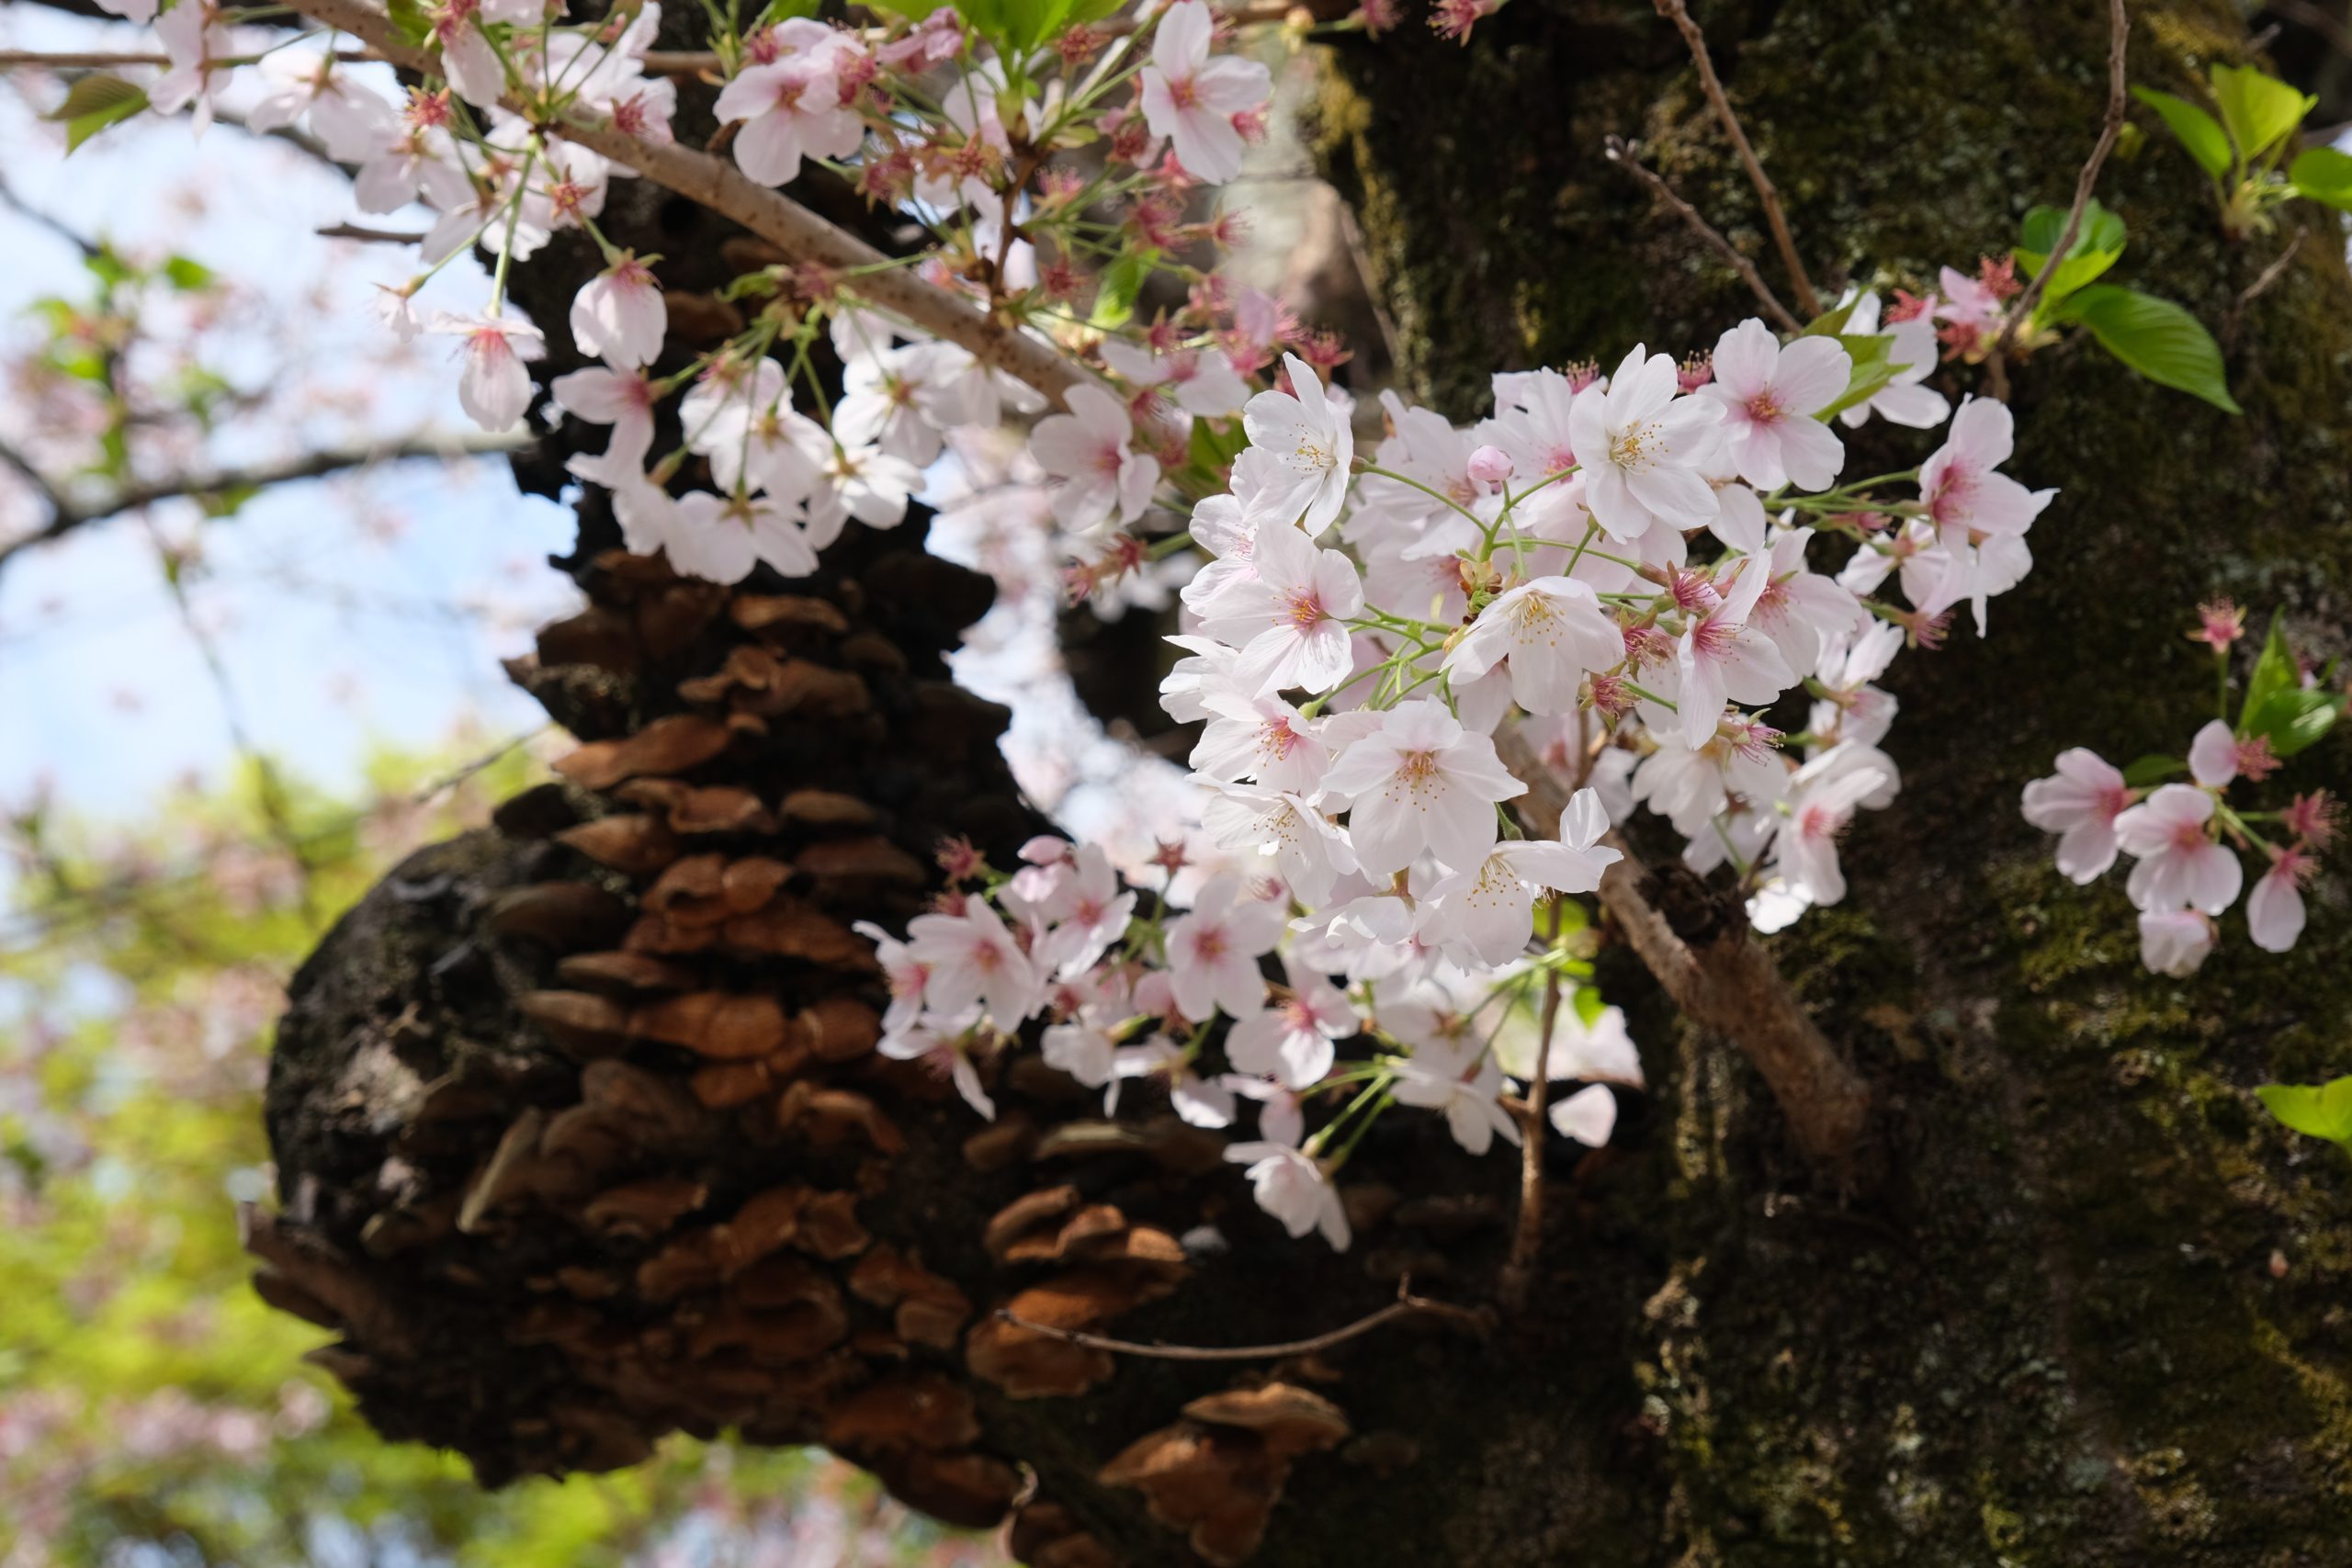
(1407, 1305)
(1720, 979)
(2119, 27)
(782, 222)
(65, 517)
(1677, 12)
(1621, 152)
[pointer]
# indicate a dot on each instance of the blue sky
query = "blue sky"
(366, 608)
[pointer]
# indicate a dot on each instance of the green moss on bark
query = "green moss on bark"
(2097, 1317)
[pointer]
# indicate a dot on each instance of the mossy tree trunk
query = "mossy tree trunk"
(2094, 1313)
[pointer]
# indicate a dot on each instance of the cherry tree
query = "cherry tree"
(781, 1067)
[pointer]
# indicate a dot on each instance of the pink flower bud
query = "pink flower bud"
(1490, 464)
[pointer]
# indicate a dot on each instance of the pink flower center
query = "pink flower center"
(1305, 608)
(2187, 836)
(1765, 408)
(1183, 92)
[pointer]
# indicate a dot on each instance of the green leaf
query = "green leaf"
(1216, 442)
(2259, 110)
(2198, 132)
(2155, 337)
(1831, 324)
(410, 21)
(913, 10)
(2096, 245)
(94, 102)
(187, 276)
(1117, 288)
(2274, 672)
(2296, 719)
(2323, 1110)
(2154, 769)
(2101, 230)
(1870, 374)
(2324, 175)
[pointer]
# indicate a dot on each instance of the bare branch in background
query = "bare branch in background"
(2258, 288)
(2111, 126)
(1625, 154)
(65, 231)
(1677, 12)
(1407, 1305)
(65, 517)
(1722, 981)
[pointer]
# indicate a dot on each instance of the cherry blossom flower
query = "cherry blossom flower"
(2080, 803)
(194, 41)
(623, 399)
(494, 389)
(1806, 614)
(1198, 1101)
(791, 106)
(1587, 1116)
(1213, 949)
(1309, 852)
(1200, 380)
(863, 482)
(1823, 798)
(1459, 1077)
(351, 119)
(1490, 907)
(1089, 452)
(1291, 1185)
(1770, 394)
(1292, 1041)
(1261, 738)
(1962, 493)
(2213, 754)
(1084, 1047)
(1420, 780)
(972, 958)
(1089, 912)
(2180, 865)
(721, 538)
(1903, 400)
(947, 1055)
(906, 975)
(1192, 99)
(619, 316)
(1300, 446)
(1721, 656)
(2274, 910)
(1290, 621)
(1641, 448)
(1553, 632)
(2175, 942)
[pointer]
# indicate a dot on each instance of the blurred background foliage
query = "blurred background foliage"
(152, 1410)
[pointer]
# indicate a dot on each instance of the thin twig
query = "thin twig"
(89, 248)
(2118, 31)
(65, 517)
(1728, 984)
(1621, 152)
(2259, 287)
(369, 236)
(1406, 1305)
(1677, 12)
(774, 217)
(1527, 1237)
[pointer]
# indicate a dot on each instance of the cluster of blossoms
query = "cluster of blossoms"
(1129, 994)
(1623, 579)
(2185, 839)
(927, 117)
(1619, 564)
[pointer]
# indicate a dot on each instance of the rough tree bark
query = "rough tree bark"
(561, 1196)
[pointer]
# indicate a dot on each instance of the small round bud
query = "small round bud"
(1490, 464)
